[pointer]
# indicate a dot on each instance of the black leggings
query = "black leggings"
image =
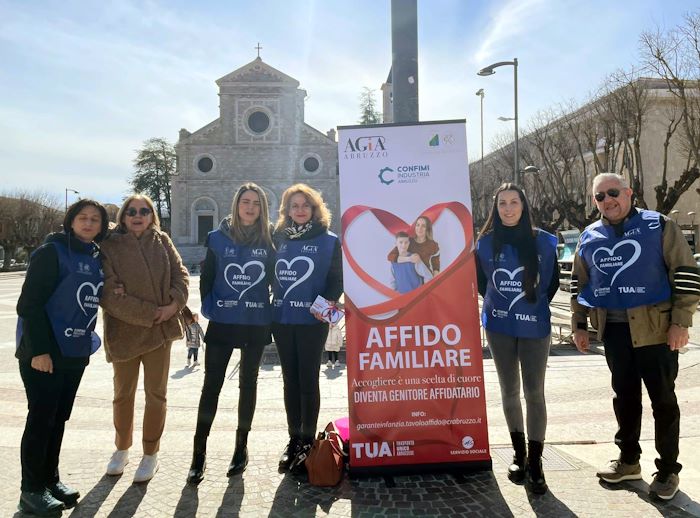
(50, 400)
(300, 348)
(332, 356)
(216, 358)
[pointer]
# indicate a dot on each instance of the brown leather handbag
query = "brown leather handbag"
(325, 462)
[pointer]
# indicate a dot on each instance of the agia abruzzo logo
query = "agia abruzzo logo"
(373, 146)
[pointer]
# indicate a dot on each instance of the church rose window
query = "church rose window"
(311, 164)
(258, 122)
(205, 164)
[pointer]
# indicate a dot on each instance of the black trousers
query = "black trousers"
(332, 356)
(216, 358)
(300, 348)
(657, 367)
(50, 400)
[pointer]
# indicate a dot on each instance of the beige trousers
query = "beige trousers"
(156, 364)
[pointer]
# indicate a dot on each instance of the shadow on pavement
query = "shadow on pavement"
(675, 507)
(233, 497)
(93, 500)
(129, 502)
(184, 372)
(549, 505)
(295, 496)
(188, 503)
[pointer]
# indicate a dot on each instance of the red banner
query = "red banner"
(415, 371)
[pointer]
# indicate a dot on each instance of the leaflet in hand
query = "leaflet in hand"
(329, 312)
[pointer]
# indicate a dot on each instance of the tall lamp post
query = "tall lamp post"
(480, 93)
(73, 191)
(490, 70)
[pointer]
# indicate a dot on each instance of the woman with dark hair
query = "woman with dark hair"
(235, 292)
(146, 287)
(422, 247)
(308, 263)
(517, 275)
(57, 309)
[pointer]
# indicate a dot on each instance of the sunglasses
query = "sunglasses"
(613, 193)
(143, 211)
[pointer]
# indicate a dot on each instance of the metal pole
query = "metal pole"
(404, 59)
(66, 206)
(516, 159)
(482, 133)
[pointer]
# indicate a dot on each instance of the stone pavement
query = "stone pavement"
(580, 430)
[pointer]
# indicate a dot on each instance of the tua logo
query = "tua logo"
(372, 450)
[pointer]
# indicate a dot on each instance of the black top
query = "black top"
(41, 281)
(482, 280)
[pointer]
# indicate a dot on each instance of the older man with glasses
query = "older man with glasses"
(635, 277)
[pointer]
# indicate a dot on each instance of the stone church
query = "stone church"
(259, 136)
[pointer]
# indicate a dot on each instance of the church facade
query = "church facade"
(260, 136)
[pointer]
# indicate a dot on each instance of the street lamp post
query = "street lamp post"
(489, 70)
(73, 191)
(480, 93)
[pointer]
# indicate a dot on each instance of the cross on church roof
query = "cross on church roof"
(259, 48)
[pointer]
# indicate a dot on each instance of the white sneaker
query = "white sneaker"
(119, 460)
(147, 468)
(195, 364)
(336, 363)
(329, 364)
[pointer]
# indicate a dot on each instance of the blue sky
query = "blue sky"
(83, 84)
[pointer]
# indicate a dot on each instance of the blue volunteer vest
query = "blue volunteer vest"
(301, 268)
(505, 309)
(405, 277)
(72, 309)
(626, 271)
(240, 294)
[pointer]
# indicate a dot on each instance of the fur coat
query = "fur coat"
(152, 273)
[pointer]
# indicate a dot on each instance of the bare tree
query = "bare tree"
(675, 56)
(26, 218)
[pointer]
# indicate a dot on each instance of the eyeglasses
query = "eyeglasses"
(613, 193)
(143, 211)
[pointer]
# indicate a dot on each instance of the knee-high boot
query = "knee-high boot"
(240, 454)
(516, 471)
(535, 475)
(199, 461)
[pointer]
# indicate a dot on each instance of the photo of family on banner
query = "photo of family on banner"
(415, 372)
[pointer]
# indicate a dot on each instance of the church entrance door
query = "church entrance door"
(205, 224)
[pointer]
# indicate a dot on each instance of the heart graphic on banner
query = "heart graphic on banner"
(92, 290)
(636, 252)
(298, 279)
(394, 224)
(511, 276)
(243, 269)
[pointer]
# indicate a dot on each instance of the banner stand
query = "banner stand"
(414, 357)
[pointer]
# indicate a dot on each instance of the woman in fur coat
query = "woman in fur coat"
(145, 290)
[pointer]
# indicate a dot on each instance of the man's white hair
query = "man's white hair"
(624, 184)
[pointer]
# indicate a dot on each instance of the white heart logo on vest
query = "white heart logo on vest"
(81, 298)
(511, 275)
(289, 264)
(242, 269)
(613, 262)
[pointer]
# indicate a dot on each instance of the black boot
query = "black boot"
(535, 475)
(289, 453)
(40, 503)
(63, 493)
(240, 455)
(199, 462)
(516, 471)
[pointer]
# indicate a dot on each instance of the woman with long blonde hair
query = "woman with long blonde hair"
(235, 291)
(308, 263)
